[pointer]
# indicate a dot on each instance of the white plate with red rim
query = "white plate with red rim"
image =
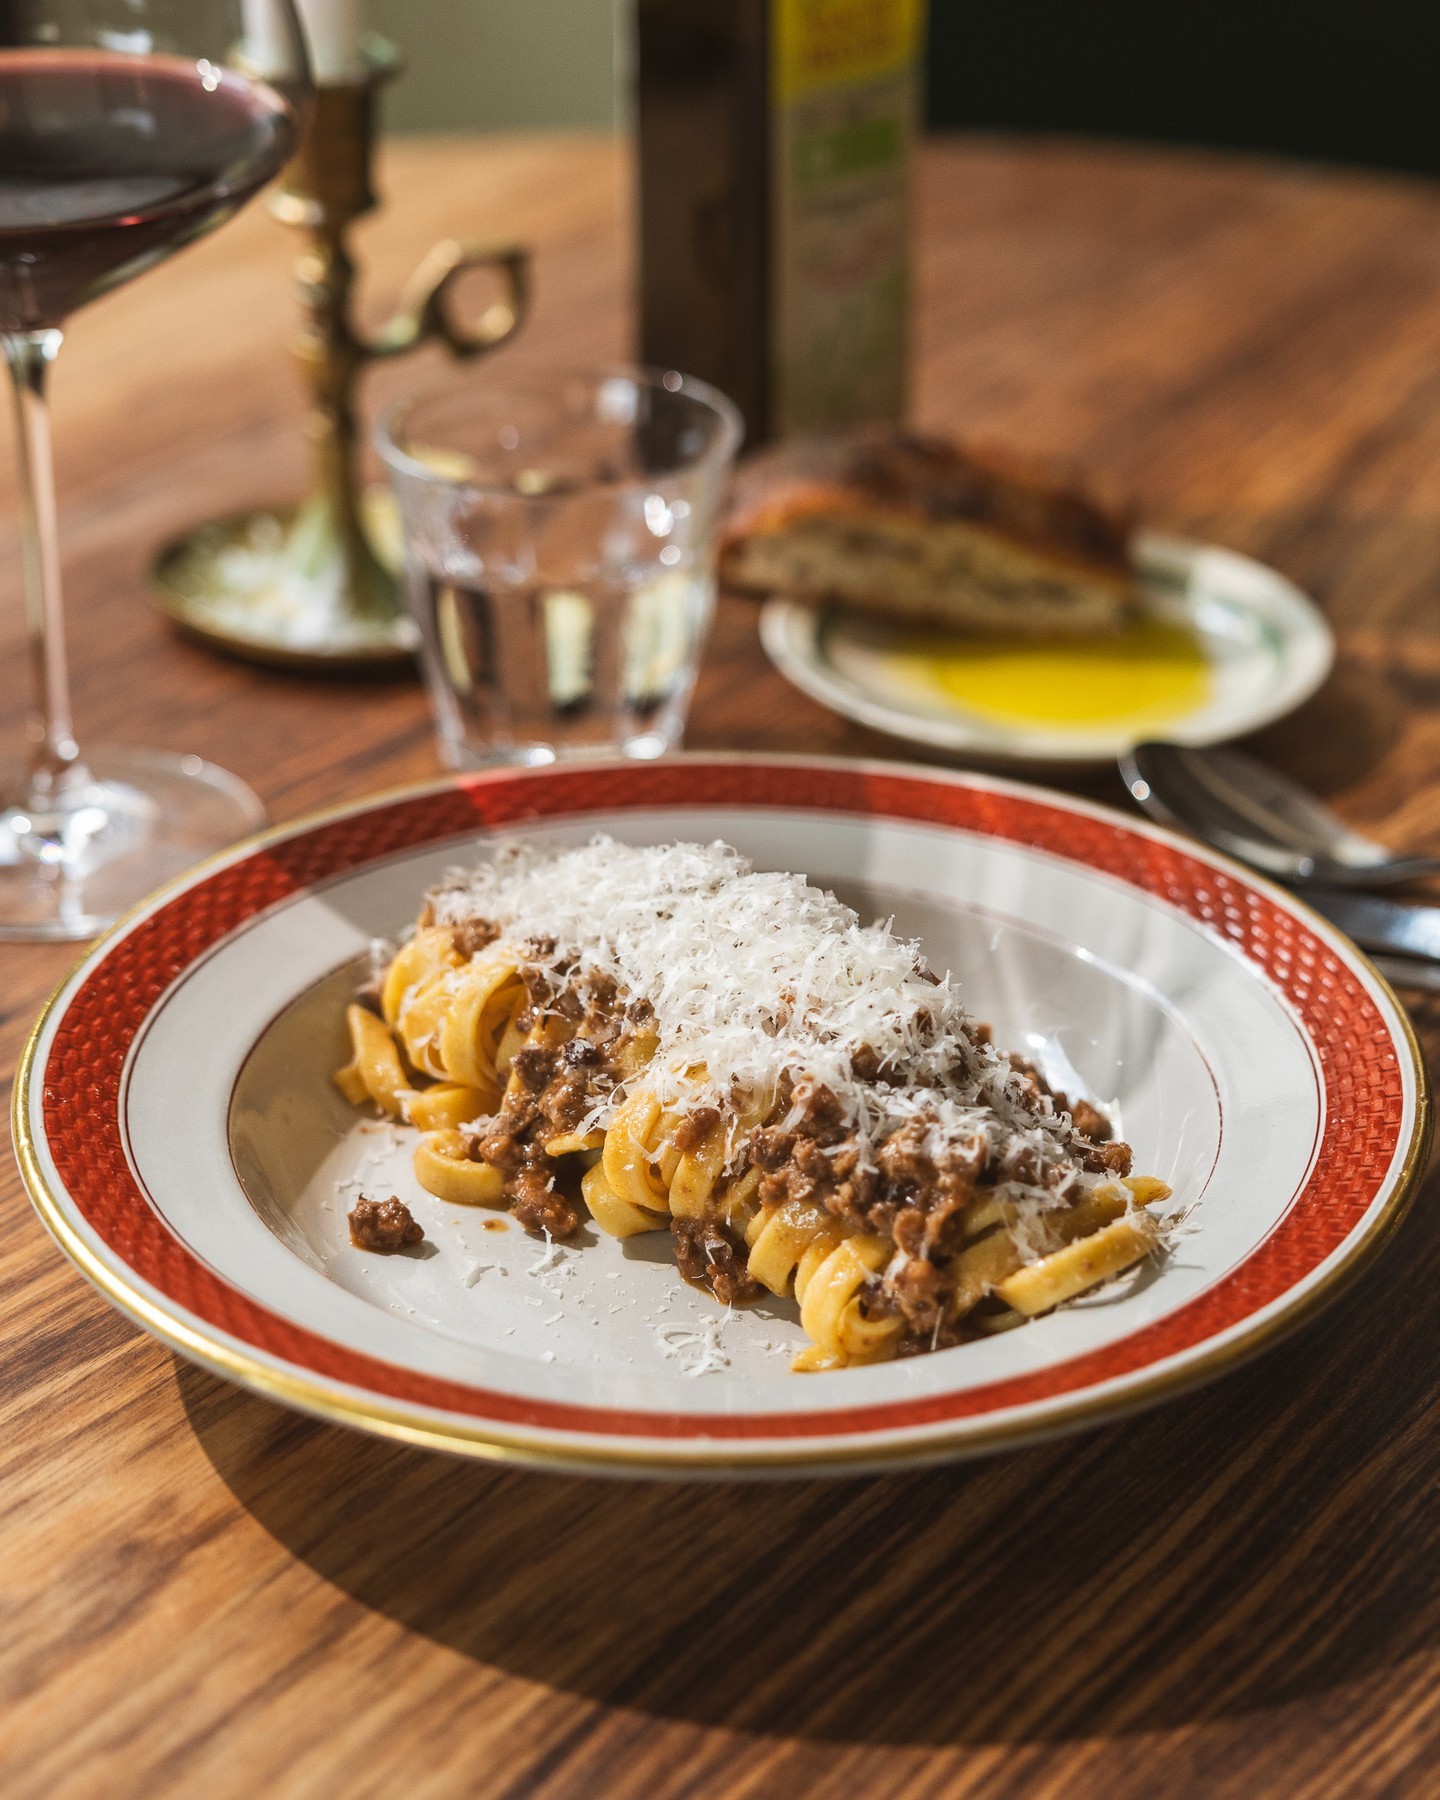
(179, 1133)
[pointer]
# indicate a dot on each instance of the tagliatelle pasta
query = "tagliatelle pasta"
(665, 1039)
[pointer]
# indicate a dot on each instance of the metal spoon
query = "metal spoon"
(1261, 816)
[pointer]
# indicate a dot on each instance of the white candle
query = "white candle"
(335, 33)
(266, 49)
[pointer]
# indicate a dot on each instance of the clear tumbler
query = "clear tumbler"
(560, 556)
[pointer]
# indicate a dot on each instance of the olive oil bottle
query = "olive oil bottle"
(775, 141)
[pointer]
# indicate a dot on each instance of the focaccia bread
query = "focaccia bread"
(923, 530)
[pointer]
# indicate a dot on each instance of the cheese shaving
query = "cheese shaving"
(696, 1349)
(756, 978)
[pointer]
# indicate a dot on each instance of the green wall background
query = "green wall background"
(494, 65)
(1327, 78)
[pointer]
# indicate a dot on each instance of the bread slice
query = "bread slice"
(922, 530)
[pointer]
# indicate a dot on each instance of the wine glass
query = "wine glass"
(128, 128)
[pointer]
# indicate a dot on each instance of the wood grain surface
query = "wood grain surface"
(1237, 1595)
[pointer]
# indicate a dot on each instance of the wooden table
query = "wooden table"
(1237, 1595)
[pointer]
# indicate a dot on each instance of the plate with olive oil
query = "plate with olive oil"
(1220, 645)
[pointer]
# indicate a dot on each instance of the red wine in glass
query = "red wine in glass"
(127, 129)
(109, 162)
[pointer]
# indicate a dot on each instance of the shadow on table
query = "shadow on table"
(1341, 735)
(1237, 1549)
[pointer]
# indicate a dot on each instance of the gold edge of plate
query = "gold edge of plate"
(494, 1444)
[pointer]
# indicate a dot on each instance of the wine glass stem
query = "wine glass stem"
(55, 759)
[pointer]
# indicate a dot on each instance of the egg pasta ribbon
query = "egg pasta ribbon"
(849, 1139)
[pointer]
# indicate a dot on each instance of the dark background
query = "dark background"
(1346, 80)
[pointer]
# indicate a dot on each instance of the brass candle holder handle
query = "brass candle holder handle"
(425, 313)
(314, 585)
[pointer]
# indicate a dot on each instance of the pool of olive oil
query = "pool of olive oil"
(1148, 675)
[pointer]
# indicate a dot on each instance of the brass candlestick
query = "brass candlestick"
(302, 586)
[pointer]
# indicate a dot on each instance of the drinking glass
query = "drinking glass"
(128, 128)
(560, 556)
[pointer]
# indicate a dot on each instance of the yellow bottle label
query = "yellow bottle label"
(833, 43)
(844, 104)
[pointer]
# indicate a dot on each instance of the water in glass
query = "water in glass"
(560, 555)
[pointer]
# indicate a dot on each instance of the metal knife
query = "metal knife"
(1390, 928)
(1409, 972)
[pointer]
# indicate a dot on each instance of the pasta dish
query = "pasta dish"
(667, 1039)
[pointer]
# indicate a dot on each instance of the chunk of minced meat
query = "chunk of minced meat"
(384, 1226)
(709, 1256)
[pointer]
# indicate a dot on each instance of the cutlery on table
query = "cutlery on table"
(1267, 819)
(1261, 816)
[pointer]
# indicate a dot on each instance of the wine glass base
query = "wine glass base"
(68, 871)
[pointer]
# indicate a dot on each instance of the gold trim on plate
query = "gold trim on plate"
(336, 1403)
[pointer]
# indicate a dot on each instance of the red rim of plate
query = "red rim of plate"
(98, 1012)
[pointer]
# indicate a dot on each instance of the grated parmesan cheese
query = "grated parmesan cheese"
(697, 1350)
(754, 976)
